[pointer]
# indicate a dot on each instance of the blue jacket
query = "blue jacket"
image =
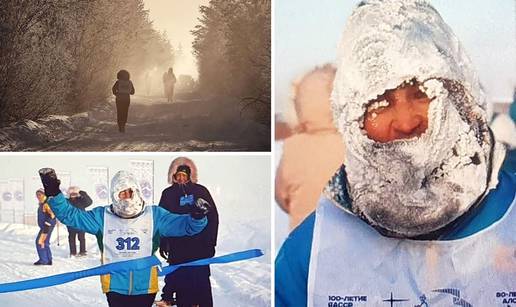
(46, 218)
(292, 261)
(166, 224)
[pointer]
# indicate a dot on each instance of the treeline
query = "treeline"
(233, 49)
(61, 56)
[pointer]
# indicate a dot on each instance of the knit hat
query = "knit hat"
(185, 169)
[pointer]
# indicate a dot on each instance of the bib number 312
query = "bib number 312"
(128, 243)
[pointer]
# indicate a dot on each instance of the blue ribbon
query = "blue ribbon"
(122, 266)
(248, 254)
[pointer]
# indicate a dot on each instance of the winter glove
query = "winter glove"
(50, 182)
(42, 239)
(200, 209)
(163, 253)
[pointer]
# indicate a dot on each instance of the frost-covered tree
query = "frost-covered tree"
(233, 49)
(61, 56)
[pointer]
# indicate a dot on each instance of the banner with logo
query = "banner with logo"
(99, 178)
(18, 192)
(6, 204)
(144, 172)
(11, 201)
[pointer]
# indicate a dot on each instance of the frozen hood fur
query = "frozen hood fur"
(411, 187)
(182, 161)
(127, 208)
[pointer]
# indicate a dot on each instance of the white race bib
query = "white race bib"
(351, 264)
(126, 239)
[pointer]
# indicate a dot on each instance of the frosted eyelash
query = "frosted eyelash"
(377, 105)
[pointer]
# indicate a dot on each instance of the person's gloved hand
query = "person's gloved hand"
(163, 248)
(41, 240)
(163, 253)
(200, 209)
(50, 182)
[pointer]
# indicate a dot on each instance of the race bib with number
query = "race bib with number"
(126, 239)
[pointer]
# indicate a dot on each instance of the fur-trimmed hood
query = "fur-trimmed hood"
(182, 161)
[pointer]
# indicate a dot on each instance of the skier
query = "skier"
(188, 286)
(302, 174)
(46, 223)
(125, 230)
(169, 81)
(421, 205)
(122, 89)
(81, 200)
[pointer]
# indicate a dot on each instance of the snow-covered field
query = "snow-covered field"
(153, 125)
(245, 283)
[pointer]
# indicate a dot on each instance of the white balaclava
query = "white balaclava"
(126, 208)
(411, 187)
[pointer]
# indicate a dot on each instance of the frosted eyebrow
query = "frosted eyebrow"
(377, 105)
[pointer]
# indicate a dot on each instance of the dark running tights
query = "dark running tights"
(120, 300)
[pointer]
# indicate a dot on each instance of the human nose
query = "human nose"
(408, 123)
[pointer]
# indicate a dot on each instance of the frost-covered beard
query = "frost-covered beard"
(413, 187)
(126, 208)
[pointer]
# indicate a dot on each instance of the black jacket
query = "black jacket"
(81, 202)
(201, 245)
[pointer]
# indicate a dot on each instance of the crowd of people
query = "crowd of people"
(185, 224)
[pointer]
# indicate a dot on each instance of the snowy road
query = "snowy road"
(244, 283)
(154, 125)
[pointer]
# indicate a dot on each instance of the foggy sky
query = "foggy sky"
(178, 18)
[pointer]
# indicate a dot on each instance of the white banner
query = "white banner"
(6, 208)
(17, 189)
(144, 172)
(11, 199)
(99, 179)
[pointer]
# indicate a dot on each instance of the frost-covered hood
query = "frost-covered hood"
(126, 208)
(411, 187)
(182, 161)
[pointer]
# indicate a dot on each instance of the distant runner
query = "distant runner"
(169, 81)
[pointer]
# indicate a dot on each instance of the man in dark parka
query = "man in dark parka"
(188, 286)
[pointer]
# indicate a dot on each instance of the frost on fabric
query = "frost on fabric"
(412, 186)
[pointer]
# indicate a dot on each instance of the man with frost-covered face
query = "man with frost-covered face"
(127, 229)
(421, 208)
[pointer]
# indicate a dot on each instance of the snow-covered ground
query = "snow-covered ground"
(245, 283)
(153, 125)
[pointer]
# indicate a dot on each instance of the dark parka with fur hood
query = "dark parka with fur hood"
(201, 245)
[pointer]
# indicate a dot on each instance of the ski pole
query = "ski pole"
(58, 233)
